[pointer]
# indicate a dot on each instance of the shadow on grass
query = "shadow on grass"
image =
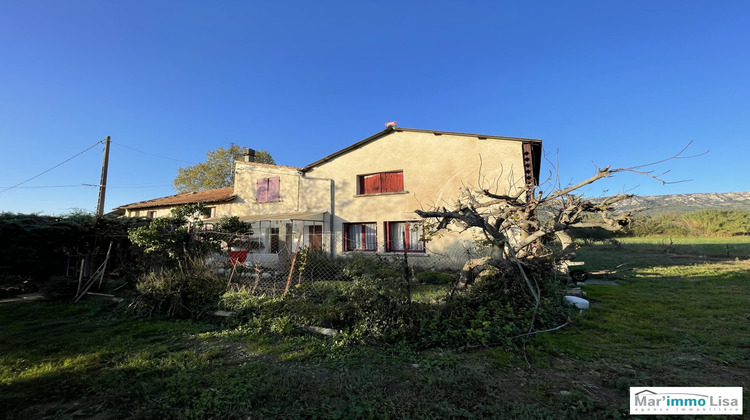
(631, 255)
(70, 361)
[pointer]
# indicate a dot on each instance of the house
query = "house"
(362, 198)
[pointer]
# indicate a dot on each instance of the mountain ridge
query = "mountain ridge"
(683, 203)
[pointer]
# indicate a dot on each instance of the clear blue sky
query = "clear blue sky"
(601, 82)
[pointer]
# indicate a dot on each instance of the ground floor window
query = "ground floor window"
(265, 237)
(402, 236)
(360, 237)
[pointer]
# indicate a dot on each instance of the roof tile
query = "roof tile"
(218, 195)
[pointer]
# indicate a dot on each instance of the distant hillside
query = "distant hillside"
(657, 204)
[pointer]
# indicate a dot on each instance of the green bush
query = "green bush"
(173, 241)
(368, 309)
(495, 309)
(176, 293)
(592, 235)
(365, 310)
(698, 223)
(363, 266)
(35, 247)
(315, 264)
(436, 277)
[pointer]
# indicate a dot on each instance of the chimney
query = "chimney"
(249, 155)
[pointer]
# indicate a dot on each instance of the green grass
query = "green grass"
(673, 320)
(711, 247)
(644, 252)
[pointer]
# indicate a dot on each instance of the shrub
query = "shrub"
(167, 241)
(36, 247)
(592, 235)
(436, 277)
(314, 264)
(177, 293)
(698, 223)
(362, 266)
(368, 309)
(494, 309)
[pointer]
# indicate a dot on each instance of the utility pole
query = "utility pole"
(103, 181)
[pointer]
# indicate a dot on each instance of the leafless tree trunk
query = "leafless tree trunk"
(510, 222)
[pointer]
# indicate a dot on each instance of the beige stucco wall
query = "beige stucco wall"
(298, 194)
(435, 167)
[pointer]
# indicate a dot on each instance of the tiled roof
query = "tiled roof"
(219, 195)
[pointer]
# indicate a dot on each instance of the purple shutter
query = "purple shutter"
(274, 189)
(262, 191)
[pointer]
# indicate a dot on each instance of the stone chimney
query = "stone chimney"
(249, 155)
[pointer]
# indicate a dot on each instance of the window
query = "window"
(211, 213)
(151, 214)
(383, 182)
(265, 238)
(360, 237)
(404, 234)
(268, 190)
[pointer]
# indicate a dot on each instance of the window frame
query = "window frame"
(211, 213)
(363, 239)
(389, 246)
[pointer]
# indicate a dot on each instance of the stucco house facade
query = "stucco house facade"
(362, 198)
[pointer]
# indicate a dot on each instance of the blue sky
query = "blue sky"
(600, 82)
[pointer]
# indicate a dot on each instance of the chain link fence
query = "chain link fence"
(266, 265)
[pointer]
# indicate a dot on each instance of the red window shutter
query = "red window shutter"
(392, 181)
(274, 189)
(262, 196)
(371, 184)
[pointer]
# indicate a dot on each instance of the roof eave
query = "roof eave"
(348, 149)
(413, 130)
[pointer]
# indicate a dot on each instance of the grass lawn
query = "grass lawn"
(675, 319)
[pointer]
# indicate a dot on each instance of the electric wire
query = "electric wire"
(92, 185)
(54, 167)
(53, 186)
(151, 154)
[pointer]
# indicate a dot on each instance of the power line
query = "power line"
(153, 154)
(91, 186)
(59, 164)
(53, 186)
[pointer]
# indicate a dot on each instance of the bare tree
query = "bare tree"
(511, 225)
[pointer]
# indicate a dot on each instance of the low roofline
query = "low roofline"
(411, 130)
(218, 195)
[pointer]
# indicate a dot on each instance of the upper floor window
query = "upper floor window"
(402, 236)
(151, 214)
(360, 237)
(268, 190)
(382, 182)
